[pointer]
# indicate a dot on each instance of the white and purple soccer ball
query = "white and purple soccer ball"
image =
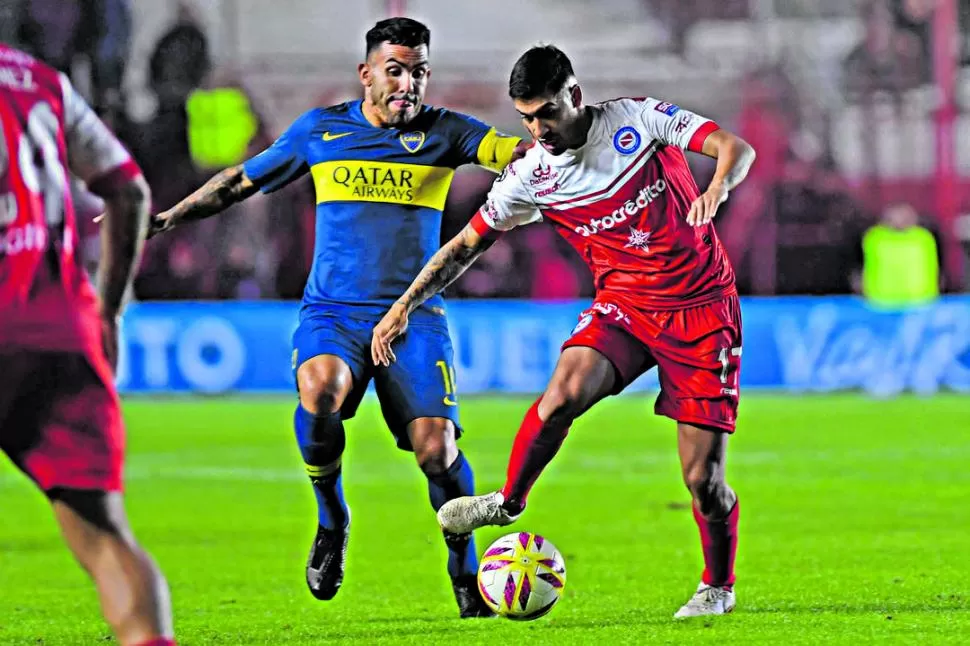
(522, 576)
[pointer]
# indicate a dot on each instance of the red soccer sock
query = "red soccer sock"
(535, 445)
(158, 641)
(719, 539)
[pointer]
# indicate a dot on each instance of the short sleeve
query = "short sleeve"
(672, 125)
(479, 143)
(285, 160)
(508, 204)
(94, 154)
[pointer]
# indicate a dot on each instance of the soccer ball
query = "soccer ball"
(522, 576)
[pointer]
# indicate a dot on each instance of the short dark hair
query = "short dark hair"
(397, 31)
(543, 70)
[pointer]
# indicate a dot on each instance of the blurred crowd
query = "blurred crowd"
(794, 227)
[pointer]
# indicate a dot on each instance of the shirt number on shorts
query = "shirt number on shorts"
(728, 368)
(448, 376)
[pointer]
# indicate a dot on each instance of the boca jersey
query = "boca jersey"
(380, 193)
(621, 200)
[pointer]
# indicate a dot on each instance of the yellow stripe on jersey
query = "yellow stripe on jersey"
(374, 181)
(495, 151)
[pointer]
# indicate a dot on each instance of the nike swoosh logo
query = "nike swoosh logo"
(449, 401)
(329, 137)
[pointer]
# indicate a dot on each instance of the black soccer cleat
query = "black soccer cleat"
(470, 602)
(325, 566)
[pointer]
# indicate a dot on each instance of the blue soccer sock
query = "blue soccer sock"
(457, 481)
(321, 440)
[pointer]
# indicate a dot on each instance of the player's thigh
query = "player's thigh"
(66, 429)
(599, 359)
(330, 358)
(420, 385)
(699, 360)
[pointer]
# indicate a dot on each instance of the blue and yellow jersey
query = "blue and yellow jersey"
(379, 192)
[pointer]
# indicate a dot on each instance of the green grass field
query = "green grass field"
(855, 527)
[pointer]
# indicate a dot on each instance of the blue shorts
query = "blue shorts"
(421, 383)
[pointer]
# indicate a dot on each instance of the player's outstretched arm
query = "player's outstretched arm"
(219, 193)
(122, 240)
(734, 158)
(445, 266)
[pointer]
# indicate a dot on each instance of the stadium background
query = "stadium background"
(854, 423)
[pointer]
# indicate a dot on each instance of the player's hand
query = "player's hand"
(704, 208)
(393, 325)
(158, 223)
(109, 339)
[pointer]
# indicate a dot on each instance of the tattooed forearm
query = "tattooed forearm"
(219, 193)
(445, 266)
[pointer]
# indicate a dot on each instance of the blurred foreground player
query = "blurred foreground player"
(60, 419)
(381, 168)
(612, 179)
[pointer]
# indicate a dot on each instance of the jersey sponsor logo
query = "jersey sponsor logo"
(541, 174)
(548, 191)
(668, 109)
(412, 141)
(16, 240)
(371, 181)
(629, 209)
(627, 140)
(685, 120)
(638, 240)
(611, 309)
(328, 136)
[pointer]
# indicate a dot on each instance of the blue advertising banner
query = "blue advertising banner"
(796, 344)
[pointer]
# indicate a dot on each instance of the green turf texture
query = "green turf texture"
(854, 529)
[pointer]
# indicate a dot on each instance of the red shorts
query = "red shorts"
(60, 419)
(697, 351)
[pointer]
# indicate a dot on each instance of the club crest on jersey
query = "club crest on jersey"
(412, 141)
(626, 140)
(584, 322)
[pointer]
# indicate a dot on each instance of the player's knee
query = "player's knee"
(435, 450)
(323, 392)
(708, 489)
(564, 400)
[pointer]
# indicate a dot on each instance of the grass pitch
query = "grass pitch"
(855, 527)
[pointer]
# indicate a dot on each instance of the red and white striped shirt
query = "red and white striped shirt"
(621, 200)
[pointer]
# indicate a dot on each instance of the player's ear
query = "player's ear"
(364, 73)
(576, 94)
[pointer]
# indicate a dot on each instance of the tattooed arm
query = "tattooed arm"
(444, 268)
(219, 193)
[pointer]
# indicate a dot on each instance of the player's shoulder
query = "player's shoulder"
(639, 106)
(449, 121)
(518, 171)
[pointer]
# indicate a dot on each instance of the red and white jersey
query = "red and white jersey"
(46, 300)
(621, 200)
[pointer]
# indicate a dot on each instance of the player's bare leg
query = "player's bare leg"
(582, 377)
(449, 477)
(133, 593)
(715, 505)
(324, 382)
